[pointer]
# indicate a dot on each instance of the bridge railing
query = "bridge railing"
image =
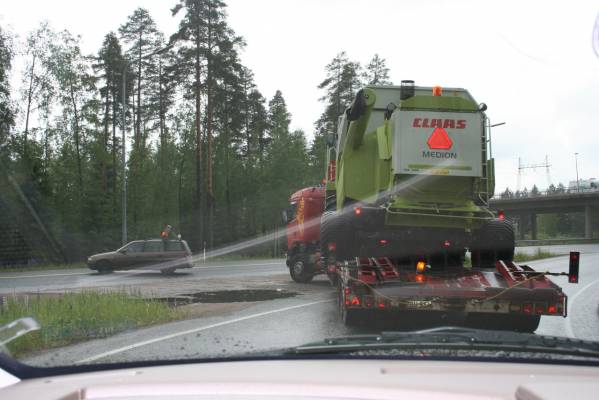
(526, 194)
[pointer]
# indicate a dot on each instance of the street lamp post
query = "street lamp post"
(124, 224)
(489, 138)
(123, 131)
(577, 181)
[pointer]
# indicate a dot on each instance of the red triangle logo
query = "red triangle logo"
(439, 140)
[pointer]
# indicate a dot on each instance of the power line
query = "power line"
(534, 166)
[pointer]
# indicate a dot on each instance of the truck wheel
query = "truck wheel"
(104, 267)
(300, 271)
(495, 241)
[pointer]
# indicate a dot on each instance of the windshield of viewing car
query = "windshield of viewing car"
(153, 153)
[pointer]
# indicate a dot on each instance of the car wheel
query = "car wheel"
(104, 267)
(167, 271)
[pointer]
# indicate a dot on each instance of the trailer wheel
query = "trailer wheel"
(300, 271)
(495, 241)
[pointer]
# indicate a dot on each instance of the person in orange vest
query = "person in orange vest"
(166, 232)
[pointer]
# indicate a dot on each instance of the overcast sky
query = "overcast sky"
(532, 62)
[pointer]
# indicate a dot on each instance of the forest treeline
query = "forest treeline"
(207, 152)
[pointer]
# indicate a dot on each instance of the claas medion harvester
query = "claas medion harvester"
(410, 177)
(406, 194)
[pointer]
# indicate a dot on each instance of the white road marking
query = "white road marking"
(190, 331)
(571, 300)
(282, 262)
(43, 276)
(138, 271)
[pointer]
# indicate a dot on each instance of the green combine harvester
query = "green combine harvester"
(409, 177)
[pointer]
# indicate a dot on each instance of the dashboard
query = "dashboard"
(321, 379)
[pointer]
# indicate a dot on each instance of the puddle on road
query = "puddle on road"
(228, 296)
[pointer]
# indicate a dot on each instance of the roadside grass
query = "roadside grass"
(76, 317)
(520, 257)
(538, 255)
(41, 267)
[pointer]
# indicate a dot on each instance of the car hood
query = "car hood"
(102, 255)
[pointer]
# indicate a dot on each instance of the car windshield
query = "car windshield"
(193, 179)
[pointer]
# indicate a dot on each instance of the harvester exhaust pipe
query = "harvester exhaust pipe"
(407, 89)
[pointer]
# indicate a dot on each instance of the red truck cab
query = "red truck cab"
(303, 233)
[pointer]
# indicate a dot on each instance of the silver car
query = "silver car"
(165, 255)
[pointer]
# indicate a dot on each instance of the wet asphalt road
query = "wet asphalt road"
(82, 278)
(281, 323)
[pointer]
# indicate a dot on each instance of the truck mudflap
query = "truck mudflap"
(511, 289)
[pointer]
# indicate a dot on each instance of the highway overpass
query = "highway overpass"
(526, 209)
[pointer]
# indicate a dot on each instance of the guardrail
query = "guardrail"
(551, 242)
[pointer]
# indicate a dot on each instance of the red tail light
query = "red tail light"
(574, 263)
(382, 305)
(383, 242)
(527, 308)
(552, 309)
(355, 301)
(358, 210)
(501, 215)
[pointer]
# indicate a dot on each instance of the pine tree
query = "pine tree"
(204, 42)
(142, 37)
(377, 72)
(286, 162)
(110, 66)
(38, 90)
(7, 116)
(341, 84)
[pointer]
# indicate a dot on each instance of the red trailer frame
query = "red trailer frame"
(377, 284)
